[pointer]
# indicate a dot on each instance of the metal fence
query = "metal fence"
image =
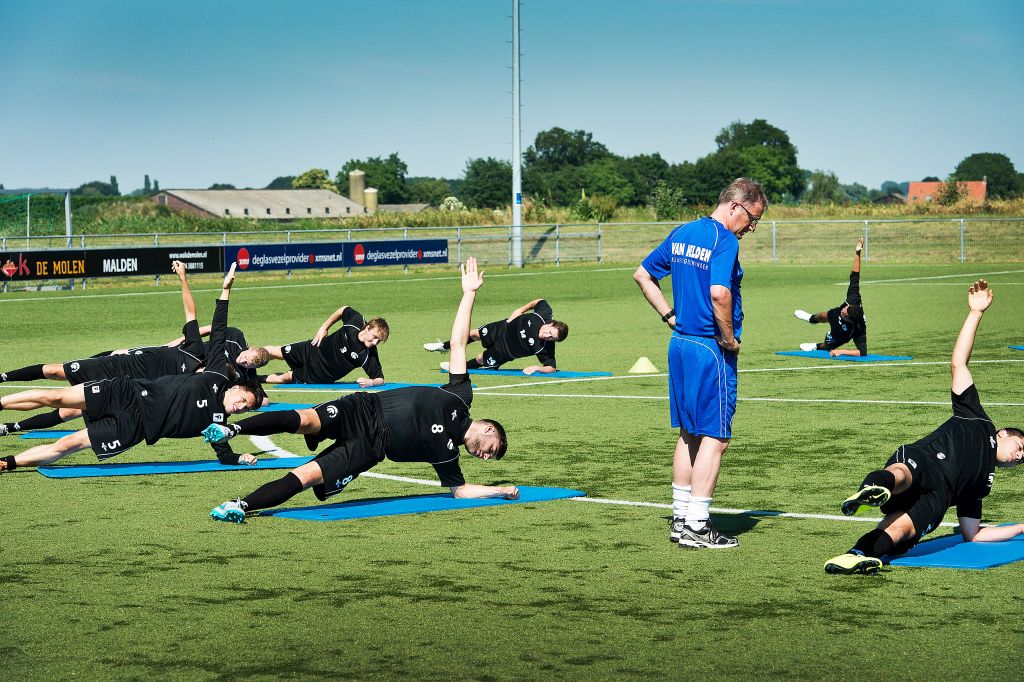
(781, 241)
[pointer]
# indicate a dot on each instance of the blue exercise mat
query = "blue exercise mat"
(823, 355)
(342, 386)
(536, 375)
(45, 435)
(417, 504)
(952, 552)
(284, 407)
(1017, 347)
(147, 468)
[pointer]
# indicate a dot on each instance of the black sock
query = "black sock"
(273, 493)
(30, 373)
(882, 477)
(876, 543)
(472, 364)
(11, 464)
(269, 423)
(262, 378)
(38, 421)
(447, 345)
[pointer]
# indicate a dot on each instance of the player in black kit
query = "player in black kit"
(122, 412)
(414, 424)
(846, 321)
(147, 362)
(529, 330)
(953, 465)
(328, 357)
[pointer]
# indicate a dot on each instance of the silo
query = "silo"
(356, 186)
(371, 199)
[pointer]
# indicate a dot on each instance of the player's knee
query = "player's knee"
(54, 372)
(309, 474)
(309, 422)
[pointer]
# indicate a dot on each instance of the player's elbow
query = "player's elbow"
(721, 295)
(641, 276)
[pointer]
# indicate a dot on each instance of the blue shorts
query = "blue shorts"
(701, 386)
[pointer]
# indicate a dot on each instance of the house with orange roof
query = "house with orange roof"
(926, 192)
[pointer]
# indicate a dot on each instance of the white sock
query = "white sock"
(698, 513)
(680, 500)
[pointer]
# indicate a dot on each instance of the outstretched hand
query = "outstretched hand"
(178, 268)
(471, 279)
(860, 245)
(229, 278)
(979, 296)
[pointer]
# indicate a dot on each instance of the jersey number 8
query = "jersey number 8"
(436, 428)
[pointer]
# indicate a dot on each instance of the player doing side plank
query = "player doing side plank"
(846, 321)
(328, 357)
(147, 362)
(414, 424)
(953, 465)
(529, 330)
(120, 413)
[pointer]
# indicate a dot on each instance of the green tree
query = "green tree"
(428, 190)
(891, 187)
(769, 156)
(387, 176)
(1003, 180)
(552, 165)
(602, 178)
(156, 185)
(668, 202)
(314, 178)
(281, 182)
(931, 178)
(824, 188)
(643, 173)
(96, 188)
(146, 187)
(855, 192)
(487, 183)
(113, 185)
(222, 185)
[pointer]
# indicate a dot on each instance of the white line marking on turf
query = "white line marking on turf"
(919, 279)
(765, 400)
(267, 447)
(177, 292)
(623, 503)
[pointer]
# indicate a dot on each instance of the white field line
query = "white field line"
(920, 279)
(177, 292)
(763, 400)
(265, 443)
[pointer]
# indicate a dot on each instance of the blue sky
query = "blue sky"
(242, 91)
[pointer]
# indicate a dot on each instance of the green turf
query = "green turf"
(128, 578)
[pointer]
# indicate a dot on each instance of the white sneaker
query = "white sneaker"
(808, 346)
(435, 347)
(803, 315)
(444, 366)
(232, 511)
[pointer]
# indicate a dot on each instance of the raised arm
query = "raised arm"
(853, 291)
(979, 298)
(519, 311)
(471, 281)
(651, 289)
(178, 268)
(325, 328)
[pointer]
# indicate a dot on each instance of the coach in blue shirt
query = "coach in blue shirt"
(706, 318)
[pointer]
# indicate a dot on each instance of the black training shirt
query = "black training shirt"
(426, 424)
(234, 344)
(842, 331)
(341, 352)
(963, 449)
(150, 362)
(521, 336)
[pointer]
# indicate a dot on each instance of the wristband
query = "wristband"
(664, 318)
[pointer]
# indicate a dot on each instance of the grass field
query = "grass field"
(123, 578)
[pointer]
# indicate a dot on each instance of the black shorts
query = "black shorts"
(113, 416)
(342, 463)
(490, 333)
(927, 499)
(297, 356)
(89, 369)
(350, 417)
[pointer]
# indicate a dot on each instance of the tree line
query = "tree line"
(571, 168)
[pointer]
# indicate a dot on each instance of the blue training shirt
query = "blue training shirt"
(698, 255)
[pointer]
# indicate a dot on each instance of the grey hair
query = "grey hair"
(744, 190)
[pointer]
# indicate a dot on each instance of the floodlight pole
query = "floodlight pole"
(28, 217)
(67, 217)
(517, 147)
